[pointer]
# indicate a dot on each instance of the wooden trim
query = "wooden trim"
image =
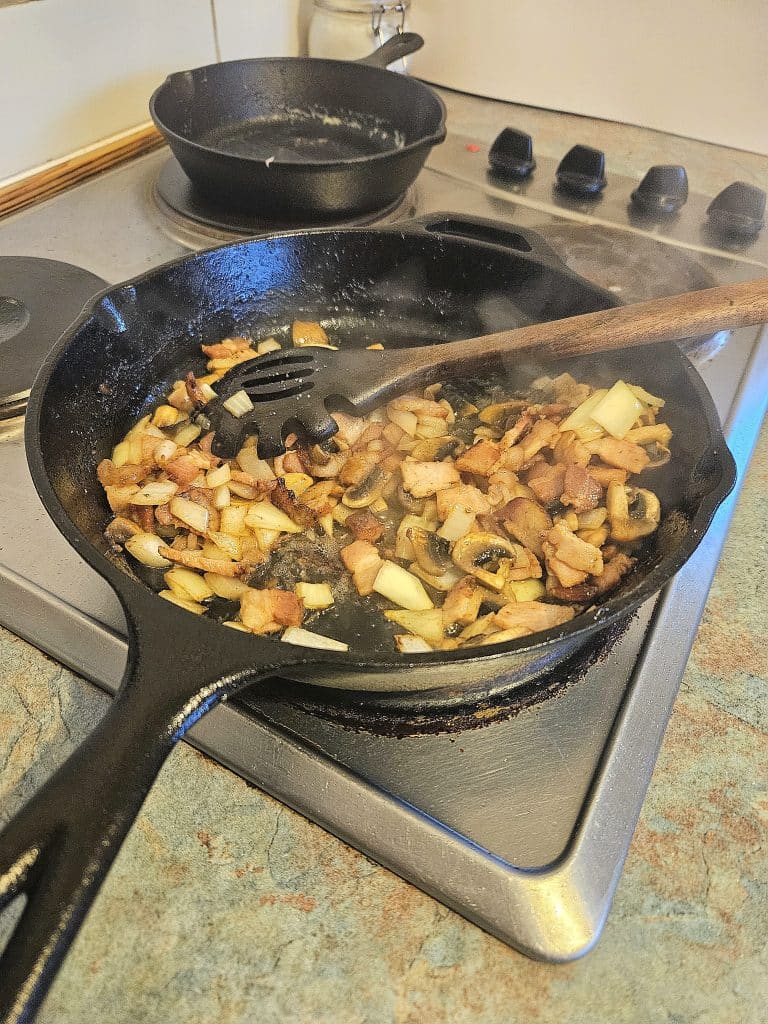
(62, 174)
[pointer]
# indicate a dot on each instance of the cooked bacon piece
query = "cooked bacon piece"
(293, 463)
(490, 523)
(423, 479)
(363, 561)
(575, 552)
(581, 491)
(145, 517)
(350, 427)
(482, 458)
(546, 481)
(525, 566)
(621, 454)
(194, 560)
(183, 470)
(419, 406)
(532, 615)
(357, 467)
(267, 611)
(613, 572)
(163, 515)
(119, 496)
(463, 496)
(111, 475)
(226, 348)
(541, 435)
(321, 497)
(194, 391)
(462, 602)
(608, 474)
(520, 427)
(287, 502)
(527, 522)
(364, 525)
(569, 449)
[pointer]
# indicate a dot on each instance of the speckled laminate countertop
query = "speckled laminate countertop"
(224, 906)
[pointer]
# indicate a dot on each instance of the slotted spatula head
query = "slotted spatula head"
(274, 395)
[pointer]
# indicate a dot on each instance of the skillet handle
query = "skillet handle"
(401, 45)
(495, 233)
(60, 845)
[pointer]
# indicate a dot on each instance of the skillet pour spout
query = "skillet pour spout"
(435, 280)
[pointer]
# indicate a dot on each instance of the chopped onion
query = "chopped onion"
(121, 453)
(298, 482)
(306, 638)
(207, 390)
(188, 584)
(190, 513)
(164, 452)
(268, 345)
(250, 463)
(233, 520)
(144, 547)
(186, 434)
(458, 523)
(407, 643)
(156, 492)
(407, 421)
(228, 543)
(314, 595)
(237, 625)
(221, 497)
(582, 414)
(263, 515)
(427, 624)
(226, 587)
(238, 404)
(401, 587)
(190, 606)
(618, 411)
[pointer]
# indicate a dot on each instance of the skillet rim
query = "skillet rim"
(131, 593)
(434, 138)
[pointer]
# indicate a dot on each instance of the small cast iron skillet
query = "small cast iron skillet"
(440, 278)
(298, 138)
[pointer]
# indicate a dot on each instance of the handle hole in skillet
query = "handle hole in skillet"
(480, 233)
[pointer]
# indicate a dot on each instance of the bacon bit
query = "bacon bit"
(482, 458)
(581, 491)
(163, 515)
(183, 470)
(546, 481)
(322, 497)
(491, 524)
(532, 615)
(363, 561)
(541, 435)
(462, 602)
(364, 525)
(267, 611)
(614, 571)
(423, 479)
(293, 463)
(194, 391)
(608, 474)
(111, 475)
(226, 348)
(527, 522)
(194, 560)
(287, 502)
(205, 443)
(464, 496)
(621, 454)
(145, 517)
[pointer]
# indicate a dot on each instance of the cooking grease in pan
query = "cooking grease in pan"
(462, 516)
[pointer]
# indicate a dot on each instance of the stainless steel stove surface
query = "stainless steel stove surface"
(464, 801)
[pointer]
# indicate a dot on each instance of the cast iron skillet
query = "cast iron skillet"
(439, 278)
(298, 137)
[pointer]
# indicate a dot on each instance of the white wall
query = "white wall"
(693, 67)
(73, 72)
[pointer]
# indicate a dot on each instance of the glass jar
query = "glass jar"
(350, 29)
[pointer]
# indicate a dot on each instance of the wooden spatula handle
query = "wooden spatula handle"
(669, 319)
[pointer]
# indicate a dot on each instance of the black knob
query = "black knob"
(738, 210)
(663, 190)
(512, 153)
(582, 170)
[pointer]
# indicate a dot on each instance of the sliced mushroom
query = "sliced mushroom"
(433, 553)
(658, 454)
(408, 502)
(634, 512)
(367, 491)
(479, 550)
(435, 449)
(499, 412)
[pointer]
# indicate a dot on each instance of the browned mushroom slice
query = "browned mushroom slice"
(634, 512)
(462, 602)
(368, 490)
(433, 553)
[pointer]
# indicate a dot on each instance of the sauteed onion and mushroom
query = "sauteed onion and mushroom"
(467, 513)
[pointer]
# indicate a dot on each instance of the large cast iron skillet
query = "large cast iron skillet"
(294, 138)
(438, 279)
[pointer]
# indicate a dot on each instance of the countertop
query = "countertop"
(225, 906)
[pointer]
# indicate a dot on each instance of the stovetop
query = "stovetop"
(464, 801)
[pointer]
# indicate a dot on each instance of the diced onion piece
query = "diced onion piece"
(307, 332)
(216, 477)
(524, 590)
(121, 453)
(155, 493)
(207, 390)
(266, 539)
(298, 482)
(306, 638)
(618, 410)
(228, 543)
(250, 463)
(407, 421)
(226, 587)
(407, 643)
(341, 513)
(190, 513)
(458, 523)
(237, 625)
(164, 452)
(645, 397)
(263, 515)
(138, 428)
(144, 548)
(401, 587)
(589, 431)
(427, 624)
(186, 434)
(190, 606)
(221, 497)
(165, 416)
(583, 413)
(212, 551)
(268, 345)
(188, 584)
(314, 595)
(238, 404)
(326, 522)
(377, 347)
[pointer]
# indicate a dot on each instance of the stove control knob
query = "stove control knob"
(512, 153)
(582, 170)
(738, 210)
(663, 190)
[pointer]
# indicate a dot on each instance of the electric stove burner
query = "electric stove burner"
(39, 299)
(194, 218)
